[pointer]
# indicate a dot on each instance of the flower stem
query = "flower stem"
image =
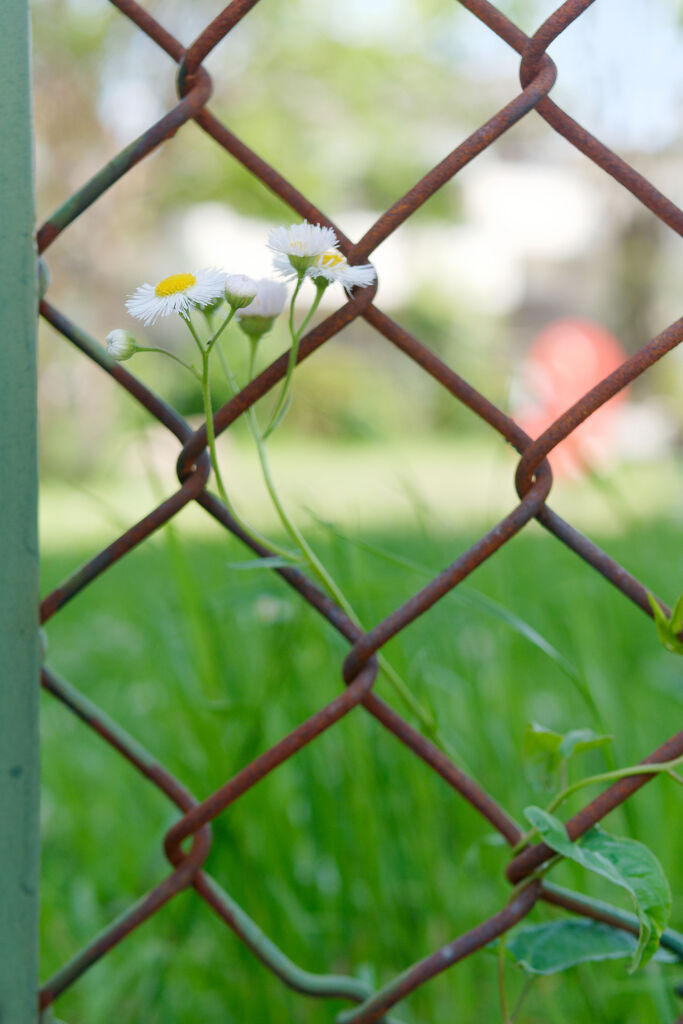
(211, 438)
(187, 320)
(216, 335)
(171, 355)
(320, 287)
(293, 353)
(321, 573)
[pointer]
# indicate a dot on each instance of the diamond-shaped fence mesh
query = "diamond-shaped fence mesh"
(187, 842)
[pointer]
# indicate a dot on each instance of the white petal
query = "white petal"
(210, 285)
(240, 285)
(146, 305)
(302, 239)
(270, 299)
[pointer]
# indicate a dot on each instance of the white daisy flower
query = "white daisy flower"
(299, 244)
(121, 345)
(258, 317)
(176, 294)
(240, 290)
(333, 266)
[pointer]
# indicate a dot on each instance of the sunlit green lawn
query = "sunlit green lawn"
(353, 856)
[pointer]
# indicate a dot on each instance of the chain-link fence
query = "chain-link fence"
(359, 669)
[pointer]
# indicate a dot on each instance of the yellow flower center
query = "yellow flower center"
(173, 284)
(331, 259)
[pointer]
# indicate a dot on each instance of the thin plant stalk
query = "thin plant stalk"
(426, 720)
(521, 997)
(211, 439)
(505, 1015)
(171, 355)
(294, 350)
(660, 768)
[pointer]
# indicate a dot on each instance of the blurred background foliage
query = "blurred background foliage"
(353, 102)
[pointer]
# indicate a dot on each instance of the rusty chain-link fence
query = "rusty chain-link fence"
(359, 670)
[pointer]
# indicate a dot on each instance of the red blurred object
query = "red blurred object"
(565, 361)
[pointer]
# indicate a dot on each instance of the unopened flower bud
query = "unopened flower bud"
(255, 326)
(240, 290)
(121, 345)
(258, 317)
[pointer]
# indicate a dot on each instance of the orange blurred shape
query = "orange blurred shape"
(567, 359)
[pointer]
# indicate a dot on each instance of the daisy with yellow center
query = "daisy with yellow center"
(330, 266)
(311, 250)
(176, 294)
(298, 245)
(333, 266)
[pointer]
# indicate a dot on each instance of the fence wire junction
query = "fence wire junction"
(359, 670)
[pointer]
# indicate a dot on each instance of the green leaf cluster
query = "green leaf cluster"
(544, 751)
(624, 862)
(668, 629)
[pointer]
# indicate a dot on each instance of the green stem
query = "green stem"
(216, 335)
(322, 574)
(232, 383)
(530, 979)
(539, 874)
(211, 438)
(320, 285)
(294, 351)
(177, 359)
(501, 980)
(187, 320)
(620, 773)
(662, 768)
(564, 773)
(290, 526)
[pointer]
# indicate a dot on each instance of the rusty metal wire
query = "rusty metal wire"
(533, 481)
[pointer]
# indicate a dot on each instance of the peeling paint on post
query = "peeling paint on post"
(19, 661)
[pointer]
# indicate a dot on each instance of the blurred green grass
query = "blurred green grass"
(352, 856)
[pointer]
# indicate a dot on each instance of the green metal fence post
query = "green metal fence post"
(19, 660)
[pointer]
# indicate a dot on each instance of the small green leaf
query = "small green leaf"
(543, 750)
(557, 945)
(579, 741)
(269, 562)
(659, 616)
(666, 628)
(676, 620)
(540, 756)
(625, 862)
(539, 739)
